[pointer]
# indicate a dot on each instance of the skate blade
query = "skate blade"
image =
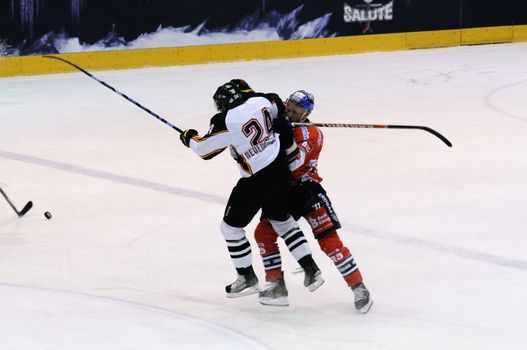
(315, 285)
(281, 301)
(247, 291)
(366, 307)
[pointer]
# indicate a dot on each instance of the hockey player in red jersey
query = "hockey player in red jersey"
(311, 202)
(245, 124)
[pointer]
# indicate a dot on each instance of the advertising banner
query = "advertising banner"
(30, 27)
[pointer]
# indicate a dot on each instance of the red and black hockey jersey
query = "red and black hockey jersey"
(309, 140)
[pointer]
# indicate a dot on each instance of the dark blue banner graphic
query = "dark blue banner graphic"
(29, 27)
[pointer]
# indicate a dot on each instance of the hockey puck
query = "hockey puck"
(47, 215)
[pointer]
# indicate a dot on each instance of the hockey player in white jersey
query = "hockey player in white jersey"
(245, 126)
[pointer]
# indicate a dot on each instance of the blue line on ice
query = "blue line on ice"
(386, 236)
(442, 248)
(113, 177)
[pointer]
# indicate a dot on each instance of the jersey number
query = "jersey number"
(254, 129)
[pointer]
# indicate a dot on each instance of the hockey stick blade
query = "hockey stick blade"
(425, 128)
(25, 209)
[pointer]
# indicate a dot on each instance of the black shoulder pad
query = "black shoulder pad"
(217, 124)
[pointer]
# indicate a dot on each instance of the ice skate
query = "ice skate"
(245, 284)
(275, 294)
(313, 279)
(312, 275)
(363, 302)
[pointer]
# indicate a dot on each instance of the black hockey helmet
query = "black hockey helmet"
(228, 96)
(244, 87)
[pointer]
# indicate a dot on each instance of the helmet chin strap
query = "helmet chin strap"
(304, 116)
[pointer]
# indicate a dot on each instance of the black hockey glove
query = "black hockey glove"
(186, 135)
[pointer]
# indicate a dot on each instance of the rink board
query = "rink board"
(190, 55)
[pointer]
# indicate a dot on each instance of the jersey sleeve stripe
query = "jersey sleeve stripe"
(206, 137)
(211, 146)
(212, 154)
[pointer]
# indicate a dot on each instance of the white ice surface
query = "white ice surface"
(133, 257)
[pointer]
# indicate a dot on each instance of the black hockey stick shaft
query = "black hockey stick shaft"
(117, 92)
(24, 210)
(379, 126)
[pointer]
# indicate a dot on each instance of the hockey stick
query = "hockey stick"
(378, 126)
(24, 210)
(117, 92)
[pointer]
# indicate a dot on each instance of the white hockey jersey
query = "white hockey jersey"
(247, 131)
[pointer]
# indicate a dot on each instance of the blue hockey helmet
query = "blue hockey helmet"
(303, 99)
